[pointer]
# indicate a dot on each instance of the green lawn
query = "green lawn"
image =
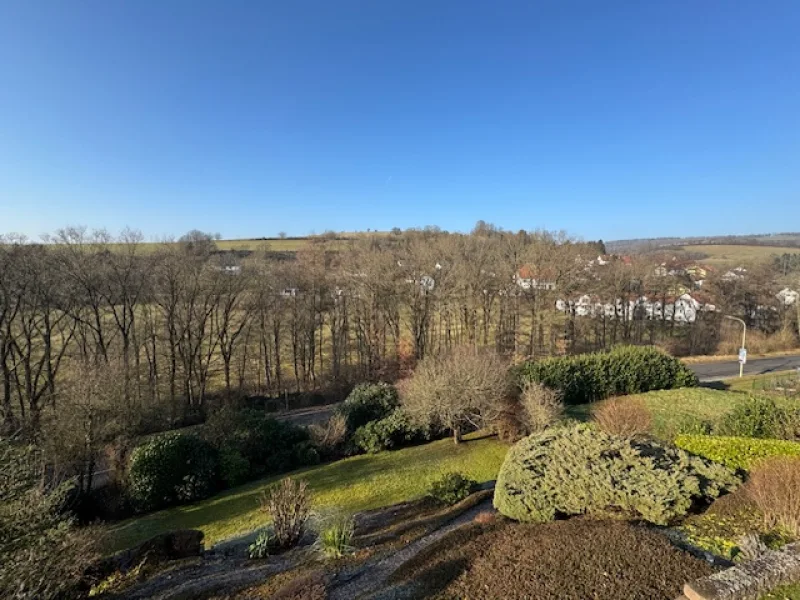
(354, 484)
(785, 592)
(673, 408)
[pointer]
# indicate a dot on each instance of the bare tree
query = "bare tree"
(458, 389)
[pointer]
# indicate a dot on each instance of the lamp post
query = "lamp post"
(742, 357)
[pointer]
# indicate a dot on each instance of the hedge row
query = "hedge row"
(625, 370)
(235, 446)
(736, 452)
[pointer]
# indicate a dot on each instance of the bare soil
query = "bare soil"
(577, 559)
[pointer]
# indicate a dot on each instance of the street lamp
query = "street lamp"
(742, 351)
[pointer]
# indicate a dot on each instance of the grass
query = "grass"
(672, 410)
(353, 484)
(728, 255)
(784, 592)
(769, 382)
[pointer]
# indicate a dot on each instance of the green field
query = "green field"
(353, 484)
(730, 255)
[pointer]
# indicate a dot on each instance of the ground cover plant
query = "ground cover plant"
(579, 469)
(736, 452)
(624, 370)
(354, 484)
(722, 528)
(577, 558)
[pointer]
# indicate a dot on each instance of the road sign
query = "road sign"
(742, 356)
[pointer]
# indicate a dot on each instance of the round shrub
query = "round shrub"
(395, 431)
(581, 470)
(452, 488)
(756, 418)
(172, 469)
(233, 467)
(369, 402)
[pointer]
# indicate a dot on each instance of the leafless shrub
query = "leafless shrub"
(288, 504)
(623, 416)
(774, 487)
(541, 406)
(330, 437)
(462, 388)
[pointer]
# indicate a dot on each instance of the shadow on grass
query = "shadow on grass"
(715, 385)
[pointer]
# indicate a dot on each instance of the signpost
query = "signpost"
(743, 349)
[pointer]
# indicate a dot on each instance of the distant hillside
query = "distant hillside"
(784, 240)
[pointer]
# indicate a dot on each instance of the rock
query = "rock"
(748, 580)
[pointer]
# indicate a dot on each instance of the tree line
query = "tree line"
(171, 325)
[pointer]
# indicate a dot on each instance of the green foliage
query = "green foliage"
(581, 470)
(269, 446)
(756, 418)
(172, 469)
(263, 545)
(692, 425)
(42, 555)
(394, 431)
(336, 535)
(452, 488)
(354, 484)
(736, 452)
(624, 370)
(369, 402)
(234, 468)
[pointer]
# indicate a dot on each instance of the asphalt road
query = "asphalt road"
(715, 371)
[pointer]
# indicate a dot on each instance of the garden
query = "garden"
(597, 476)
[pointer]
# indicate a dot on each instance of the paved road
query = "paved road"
(715, 371)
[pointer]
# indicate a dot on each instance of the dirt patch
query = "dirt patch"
(576, 559)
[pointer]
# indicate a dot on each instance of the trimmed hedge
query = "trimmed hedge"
(172, 469)
(736, 452)
(579, 469)
(624, 370)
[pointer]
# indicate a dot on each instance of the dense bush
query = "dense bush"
(452, 488)
(582, 470)
(233, 467)
(368, 402)
(736, 452)
(171, 469)
(268, 445)
(624, 370)
(623, 416)
(756, 417)
(395, 431)
(42, 555)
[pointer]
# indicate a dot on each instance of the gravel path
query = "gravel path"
(369, 580)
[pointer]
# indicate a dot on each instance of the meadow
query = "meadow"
(731, 255)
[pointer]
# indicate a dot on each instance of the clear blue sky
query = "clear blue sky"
(607, 119)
